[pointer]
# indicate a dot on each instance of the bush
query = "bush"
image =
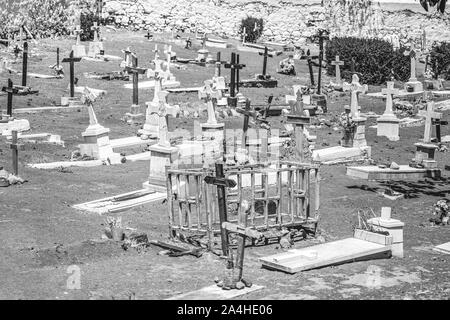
(375, 60)
(87, 21)
(253, 28)
(440, 60)
(43, 18)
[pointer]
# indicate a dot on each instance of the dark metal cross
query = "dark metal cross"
(24, 64)
(247, 112)
(323, 35)
(71, 60)
(265, 54)
(148, 35)
(222, 183)
(15, 147)
(11, 91)
(309, 59)
(299, 120)
(235, 67)
(136, 72)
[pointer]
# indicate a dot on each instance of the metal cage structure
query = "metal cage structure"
(282, 195)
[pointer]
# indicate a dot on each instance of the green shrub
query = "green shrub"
(374, 60)
(87, 21)
(253, 28)
(440, 60)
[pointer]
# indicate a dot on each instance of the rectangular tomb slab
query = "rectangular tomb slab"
(338, 153)
(404, 173)
(326, 254)
(215, 293)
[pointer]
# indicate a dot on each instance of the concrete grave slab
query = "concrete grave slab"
(215, 293)
(404, 173)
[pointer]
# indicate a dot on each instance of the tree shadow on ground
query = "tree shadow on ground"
(411, 189)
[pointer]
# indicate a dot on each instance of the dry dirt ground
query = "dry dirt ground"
(41, 235)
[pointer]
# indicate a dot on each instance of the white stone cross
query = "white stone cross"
(77, 32)
(156, 53)
(355, 88)
(389, 92)
(210, 96)
(429, 115)
(244, 34)
(338, 63)
(96, 30)
(165, 110)
(168, 51)
(412, 53)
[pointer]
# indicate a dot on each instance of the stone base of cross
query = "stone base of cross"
(95, 49)
(79, 51)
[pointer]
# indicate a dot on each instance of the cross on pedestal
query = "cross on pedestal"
(297, 118)
(78, 32)
(265, 54)
(24, 64)
(96, 30)
(233, 66)
(338, 63)
(71, 60)
(165, 110)
(210, 96)
(135, 71)
(429, 116)
(15, 147)
(219, 64)
(355, 88)
(390, 91)
(11, 91)
(222, 183)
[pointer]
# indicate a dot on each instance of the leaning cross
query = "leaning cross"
(15, 147)
(165, 110)
(265, 54)
(11, 91)
(234, 66)
(338, 63)
(207, 93)
(355, 88)
(136, 71)
(389, 92)
(429, 115)
(297, 118)
(222, 183)
(156, 52)
(96, 30)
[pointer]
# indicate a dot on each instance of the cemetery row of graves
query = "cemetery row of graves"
(238, 162)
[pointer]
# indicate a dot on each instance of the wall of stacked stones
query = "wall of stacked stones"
(285, 21)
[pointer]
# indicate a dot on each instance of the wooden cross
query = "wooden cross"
(389, 92)
(429, 116)
(265, 54)
(219, 64)
(135, 71)
(148, 36)
(297, 118)
(411, 52)
(355, 88)
(323, 35)
(210, 96)
(338, 63)
(222, 183)
(96, 30)
(234, 66)
(247, 112)
(72, 61)
(24, 64)
(309, 59)
(165, 110)
(15, 147)
(11, 91)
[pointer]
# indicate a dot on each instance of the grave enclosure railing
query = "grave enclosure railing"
(281, 195)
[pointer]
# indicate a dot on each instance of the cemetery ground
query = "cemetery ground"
(42, 235)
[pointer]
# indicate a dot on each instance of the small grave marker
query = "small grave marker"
(71, 60)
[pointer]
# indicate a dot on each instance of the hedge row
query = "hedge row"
(374, 60)
(440, 60)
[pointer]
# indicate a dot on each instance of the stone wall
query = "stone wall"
(285, 20)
